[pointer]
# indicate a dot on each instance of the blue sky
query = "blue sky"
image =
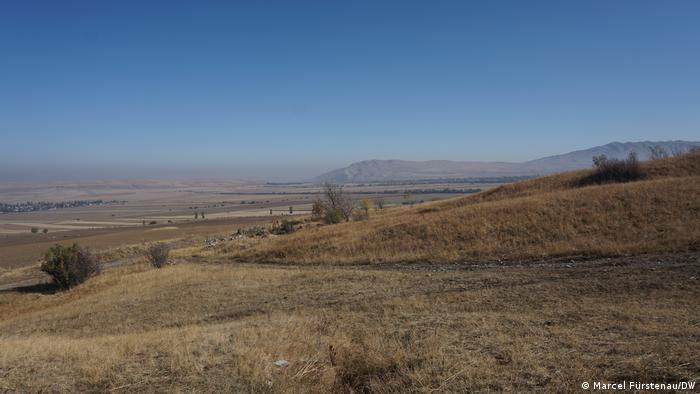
(289, 89)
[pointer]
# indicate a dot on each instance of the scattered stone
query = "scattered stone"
(241, 233)
(281, 363)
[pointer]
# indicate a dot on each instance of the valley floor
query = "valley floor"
(541, 326)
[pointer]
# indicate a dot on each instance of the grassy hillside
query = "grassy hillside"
(549, 216)
(202, 327)
(198, 327)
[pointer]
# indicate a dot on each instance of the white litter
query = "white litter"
(281, 363)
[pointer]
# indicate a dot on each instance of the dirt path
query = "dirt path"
(645, 261)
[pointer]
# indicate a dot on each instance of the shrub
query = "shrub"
(157, 254)
(69, 266)
(317, 209)
(336, 202)
(152, 222)
(380, 203)
(333, 216)
(34, 230)
(285, 226)
(366, 204)
(46, 230)
(614, 170)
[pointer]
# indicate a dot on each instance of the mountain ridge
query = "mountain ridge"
(376, 170)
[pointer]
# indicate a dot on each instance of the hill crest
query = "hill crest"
(403, 170)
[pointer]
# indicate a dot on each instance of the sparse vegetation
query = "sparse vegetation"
(157, 254)
(337, 205)
(69, 266)
(285, 226)
(657, 152)
(220, 327)
(549, 216)
(411, 326)
(366, 205)
(317, 209)
(334, 216)
(33, 206)
(614, 170)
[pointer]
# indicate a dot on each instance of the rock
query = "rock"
(281, 363)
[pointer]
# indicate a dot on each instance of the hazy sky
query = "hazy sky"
(289, 89)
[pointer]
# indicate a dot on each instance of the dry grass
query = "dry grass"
(219, 328)
(528, 220)
(492, 328)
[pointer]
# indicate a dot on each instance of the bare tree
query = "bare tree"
(380, 203)
(336, 203)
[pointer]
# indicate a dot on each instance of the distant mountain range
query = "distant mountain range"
(402, 170)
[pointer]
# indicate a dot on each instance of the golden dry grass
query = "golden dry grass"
(219, 328)
(533, 219)
(201, 327)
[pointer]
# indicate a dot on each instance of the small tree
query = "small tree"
(599, 160)
(380, 203)
(316, 209)
(34, 230)
(158, 254)
(366, 204)
(69, 266)
(202, 214)
(196, 215)
(46, 230)
(336, 203)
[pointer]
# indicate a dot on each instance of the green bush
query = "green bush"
(69, 266)
(333, 216)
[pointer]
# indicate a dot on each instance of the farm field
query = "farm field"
(171, 207)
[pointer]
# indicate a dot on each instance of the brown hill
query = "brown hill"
(548, 216)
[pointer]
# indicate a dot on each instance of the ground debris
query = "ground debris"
(241, 233)
(281, 363)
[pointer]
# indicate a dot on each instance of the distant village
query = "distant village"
(31, 206)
